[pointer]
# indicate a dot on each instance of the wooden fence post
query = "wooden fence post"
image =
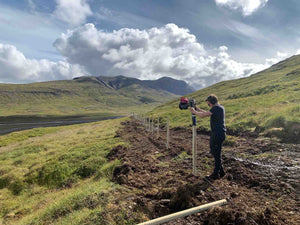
(152, 125)
(168, 133)
(194, 150)
(158, 127)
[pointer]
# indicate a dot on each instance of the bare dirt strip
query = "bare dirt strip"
(261, 183)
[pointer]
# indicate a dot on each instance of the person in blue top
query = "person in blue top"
(218, 132)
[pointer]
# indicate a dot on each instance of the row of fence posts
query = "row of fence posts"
(149, 124)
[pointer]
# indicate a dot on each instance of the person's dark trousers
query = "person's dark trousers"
(216, 149)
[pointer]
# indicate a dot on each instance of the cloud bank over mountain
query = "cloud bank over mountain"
(15, 66)
(149, 54)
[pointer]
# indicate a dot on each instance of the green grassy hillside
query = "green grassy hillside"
(77, 97)
(266, 100)
(60, 175)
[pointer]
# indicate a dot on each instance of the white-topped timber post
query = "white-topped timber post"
(152, 125)
(147, 123)
(184, 213)
(194, 144)
(158, 127)
(168, 133)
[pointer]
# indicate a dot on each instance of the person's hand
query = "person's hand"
(192, 110)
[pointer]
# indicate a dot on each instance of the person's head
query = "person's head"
(211, 100)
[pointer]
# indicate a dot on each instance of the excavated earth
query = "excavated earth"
(261, 182)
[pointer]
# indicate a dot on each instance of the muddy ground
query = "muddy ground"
(261, 182)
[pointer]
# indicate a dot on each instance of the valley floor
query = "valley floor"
(262, 180)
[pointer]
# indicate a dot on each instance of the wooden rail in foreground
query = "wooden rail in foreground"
(184, 213)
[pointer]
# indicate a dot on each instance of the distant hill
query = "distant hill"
(168, 84)
(88, 95)
(267, 102)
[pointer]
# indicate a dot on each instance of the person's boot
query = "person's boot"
(213, 176)
(222, 172)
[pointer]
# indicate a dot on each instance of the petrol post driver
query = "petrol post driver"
(185, 103)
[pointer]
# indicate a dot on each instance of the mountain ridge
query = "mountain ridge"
(169, 84)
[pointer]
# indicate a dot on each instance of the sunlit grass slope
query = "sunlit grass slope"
(77, 97)
(268, 99)
(59, 175)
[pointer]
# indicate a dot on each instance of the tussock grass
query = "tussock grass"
(57, 175)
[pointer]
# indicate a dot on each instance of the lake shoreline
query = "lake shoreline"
(18, 123)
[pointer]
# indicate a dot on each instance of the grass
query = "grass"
(59, 175)
(181, 157)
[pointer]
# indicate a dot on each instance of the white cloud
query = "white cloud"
(144, 54)
(150, 54)
(279, 57)
(246, 6)
(16, 67)
(298, 52)
(73, 12)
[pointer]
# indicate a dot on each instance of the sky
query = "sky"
(199, 41)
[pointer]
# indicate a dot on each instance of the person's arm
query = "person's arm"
(199, 110)
(201, 114)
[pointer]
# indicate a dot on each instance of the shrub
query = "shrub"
(144, 99)
(17, 186)
(4, 182)
(85, 170)
(54, 174)
(278, 121)
(295, 109)
(89, 167)
(108, 169)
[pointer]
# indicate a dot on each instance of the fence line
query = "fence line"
(168, 134)
(149, 123)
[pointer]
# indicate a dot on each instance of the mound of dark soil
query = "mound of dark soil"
(260, 183)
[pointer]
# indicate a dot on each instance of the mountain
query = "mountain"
(171, 85)
(168, 84)
(267, 102)
(88, 95)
